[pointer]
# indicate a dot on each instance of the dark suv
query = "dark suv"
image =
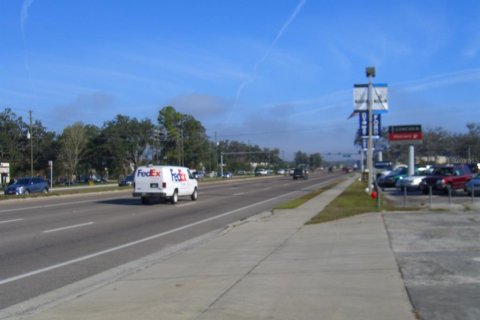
(27, 185)
(444, 177)
(300, 173)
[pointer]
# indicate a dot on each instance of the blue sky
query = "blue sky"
(268, 72)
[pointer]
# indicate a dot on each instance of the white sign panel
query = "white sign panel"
(380, 97)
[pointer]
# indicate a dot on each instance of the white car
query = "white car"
(261, 172)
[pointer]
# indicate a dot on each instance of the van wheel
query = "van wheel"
(194, 195)
(26, 192)
(45, 191)
(175, 197)
(145, 200)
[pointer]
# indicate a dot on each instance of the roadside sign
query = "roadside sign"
(380, 97)
(363, 124)
(365, 144)
(407, 134)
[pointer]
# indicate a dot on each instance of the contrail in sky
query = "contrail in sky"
(23, 21)
(24, 14)
(292, 17)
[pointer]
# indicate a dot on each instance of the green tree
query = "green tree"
(315, 160)
(183, 138)
(13, 141)
(72, 147)
(129, 141)
(301, 158)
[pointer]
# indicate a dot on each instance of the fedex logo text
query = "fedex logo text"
(179, 177)
(148, 173)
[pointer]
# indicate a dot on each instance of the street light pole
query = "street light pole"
(31, 145)
(370, 74)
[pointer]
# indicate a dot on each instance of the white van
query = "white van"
(164, 182)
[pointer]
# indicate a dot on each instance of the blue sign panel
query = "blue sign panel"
(363, 122)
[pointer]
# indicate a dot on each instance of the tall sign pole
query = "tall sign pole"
(370, 74)
(31, 145)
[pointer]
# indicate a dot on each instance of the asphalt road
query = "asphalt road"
(48, 243)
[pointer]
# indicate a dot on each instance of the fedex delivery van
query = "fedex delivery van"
(164, 182)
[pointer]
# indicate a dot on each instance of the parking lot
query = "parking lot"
(459, 200)
(438, 253)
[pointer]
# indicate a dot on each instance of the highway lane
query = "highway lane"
(50, 242)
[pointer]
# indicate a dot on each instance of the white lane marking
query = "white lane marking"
(129, 244)
(239, 194)
(185, 204)
(69, 227)
(13, 220)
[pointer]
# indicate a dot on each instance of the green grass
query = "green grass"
(353, 201)
(292, 204)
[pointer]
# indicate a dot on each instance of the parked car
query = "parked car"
(126, 181)
(227, 175)
(389, 180)
(446, 177)
(300, 173)
(281, 171)
(199, 175)
(27, 185)
(412, 183)
(473, 186)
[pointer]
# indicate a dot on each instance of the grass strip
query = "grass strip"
(292, 204)
(53, 193)
(353, 201)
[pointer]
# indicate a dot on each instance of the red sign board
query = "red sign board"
(407, 134)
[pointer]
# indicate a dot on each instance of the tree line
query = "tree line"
(124, 143)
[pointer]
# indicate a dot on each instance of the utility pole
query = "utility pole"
(370, 74)
(30, 136)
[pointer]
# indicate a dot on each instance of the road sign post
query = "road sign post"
(407, 134)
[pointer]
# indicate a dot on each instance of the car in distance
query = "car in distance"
(261, 172)
(126, 181)
(300, 173)
(199, 175)
(446, 177)
(27, 185)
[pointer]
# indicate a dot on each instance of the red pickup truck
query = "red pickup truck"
(444, 177)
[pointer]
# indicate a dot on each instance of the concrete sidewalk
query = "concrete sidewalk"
(270, 266)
